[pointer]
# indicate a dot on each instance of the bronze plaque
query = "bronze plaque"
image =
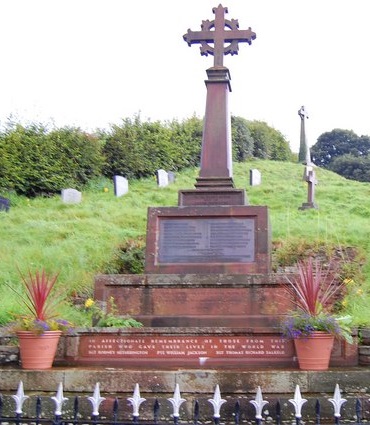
(206, 240)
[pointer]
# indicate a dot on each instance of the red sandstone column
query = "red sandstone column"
(216, 156)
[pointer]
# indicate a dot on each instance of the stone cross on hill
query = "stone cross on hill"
(215, 32)
(304, 155)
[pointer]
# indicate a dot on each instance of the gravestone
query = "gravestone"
(171, 177)
(71, 196)
(120, 186)
(4, 204)
(162, 178)
(255, 177)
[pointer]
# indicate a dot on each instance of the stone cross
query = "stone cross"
(304, 152)
(302, 113)
(215, 32)
(310, 178)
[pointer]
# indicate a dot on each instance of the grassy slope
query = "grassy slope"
(78, 240)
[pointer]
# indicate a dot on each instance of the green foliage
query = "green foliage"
(80, 240)
(137, 149)
(35, 161)
(109, 317)
(289, 251)
(129, 258)
(337, 143)
(242, 140)
(352, 167)
(186, 136)
(268, 143)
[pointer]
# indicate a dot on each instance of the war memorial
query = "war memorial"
(209, 301)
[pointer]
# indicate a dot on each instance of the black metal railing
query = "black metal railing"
(277, 413)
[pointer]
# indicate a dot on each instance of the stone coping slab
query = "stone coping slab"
(232, 380)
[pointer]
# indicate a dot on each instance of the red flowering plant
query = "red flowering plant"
(314, 292)
(41, 302)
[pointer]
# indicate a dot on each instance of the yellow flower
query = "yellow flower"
(89, 303)
(359, 291)
(348, 281)
(106, 189)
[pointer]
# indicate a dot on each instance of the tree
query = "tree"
(137, 149)
(336, 143)
(35, 161)
(241, 139)
(352, 167)
(268, 142)
(186, 136)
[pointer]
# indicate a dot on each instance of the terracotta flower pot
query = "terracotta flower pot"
(314, 351)
(38, 351)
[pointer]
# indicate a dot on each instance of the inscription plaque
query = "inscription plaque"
(189, 347)
(211, 240)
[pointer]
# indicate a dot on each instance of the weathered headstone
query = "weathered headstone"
(120, 185)
(255, 177)
(171, 177)
(162, 178)
(71, 196)
(4, 204)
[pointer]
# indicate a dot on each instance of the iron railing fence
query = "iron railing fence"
(261, 413)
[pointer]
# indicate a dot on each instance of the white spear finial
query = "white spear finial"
(19, 398)
(217, 402)
(136, 400)
(337, 401)
(96, 400)
(298, 402)
(59, 399)
(176, 401)
(259, 403)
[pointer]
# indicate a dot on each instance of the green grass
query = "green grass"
(79, 240)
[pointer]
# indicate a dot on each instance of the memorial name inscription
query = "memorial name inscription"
(211, 240)
(116, 346)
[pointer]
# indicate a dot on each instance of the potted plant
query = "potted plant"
(313, 325)
(39, 328)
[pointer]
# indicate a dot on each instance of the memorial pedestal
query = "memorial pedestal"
(208, 239)
(195, 320)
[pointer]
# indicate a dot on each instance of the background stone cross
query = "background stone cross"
(215, 32)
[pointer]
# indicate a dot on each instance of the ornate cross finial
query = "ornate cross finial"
(215, 32)
(302, 113)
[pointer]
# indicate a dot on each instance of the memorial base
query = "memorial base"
(308, 206)
(190, 347)
(195, 320)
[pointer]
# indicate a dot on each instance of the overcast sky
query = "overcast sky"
(91, 63)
